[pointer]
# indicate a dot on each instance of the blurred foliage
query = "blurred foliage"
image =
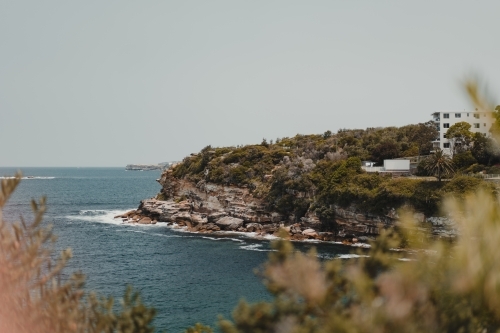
(33, 297)
(437, 286)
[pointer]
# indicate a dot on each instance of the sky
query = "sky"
(109, 83)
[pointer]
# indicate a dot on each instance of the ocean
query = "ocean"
(187, 277)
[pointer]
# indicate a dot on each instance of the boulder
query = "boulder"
(253, 227)
(198, 219)
(298, 237)
(270, 228)
(181, 217)
(311, 233)
(212, 227)
(295, 229)
(144, 220)
(229, 223)
(216, 216)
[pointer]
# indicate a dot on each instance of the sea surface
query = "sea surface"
(187, 277)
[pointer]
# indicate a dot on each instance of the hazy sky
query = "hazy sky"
(107, 83)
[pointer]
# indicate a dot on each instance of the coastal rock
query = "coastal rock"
(198, 219)
(229, 223)
(295, 229)
(270, 228)
(208, 207)
(213, 217)
(212, 227)
(254, 227)
(145, 220)
(311, 233)
(181, 217)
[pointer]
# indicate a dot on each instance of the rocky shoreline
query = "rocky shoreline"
(207, 208)
(152, 211)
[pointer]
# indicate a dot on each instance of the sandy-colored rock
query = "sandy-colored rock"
(181, 217)
(311, 233)
(145, 220)
(229, 223)
(198, 219)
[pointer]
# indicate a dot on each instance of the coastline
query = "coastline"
(221, 234)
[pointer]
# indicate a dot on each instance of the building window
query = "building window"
(446, 125)
(484, 124)
(484, 114)
(476, 115)
(446, 115)
(467, 114)
(458, 115)
(446, 145)
(476, 125)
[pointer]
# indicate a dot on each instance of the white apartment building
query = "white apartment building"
(480, 122)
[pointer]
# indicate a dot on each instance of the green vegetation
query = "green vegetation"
(311, 173)
(439, 164)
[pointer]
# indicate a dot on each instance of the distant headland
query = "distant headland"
(149, 167)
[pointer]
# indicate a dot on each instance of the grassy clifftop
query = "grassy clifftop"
(314, 172)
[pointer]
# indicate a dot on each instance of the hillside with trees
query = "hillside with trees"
(310, 173)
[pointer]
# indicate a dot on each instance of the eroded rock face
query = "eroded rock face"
(206, 207)
(218, 201)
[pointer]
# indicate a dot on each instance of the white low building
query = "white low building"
(398, 166)
(480, 122)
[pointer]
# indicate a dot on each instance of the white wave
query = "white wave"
(364, 245)
(29, 177)
(254, 247)
(105, 216)
(223, 238)
(350, 256)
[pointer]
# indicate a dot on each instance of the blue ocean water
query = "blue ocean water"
(187, 277)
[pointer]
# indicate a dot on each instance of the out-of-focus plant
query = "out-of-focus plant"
(33, 297)
(437, 286)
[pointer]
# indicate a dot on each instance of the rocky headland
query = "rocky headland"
(206, 207)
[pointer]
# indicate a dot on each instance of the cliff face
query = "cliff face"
(208, 207)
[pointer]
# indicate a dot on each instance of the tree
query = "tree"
(479, 148)
(463, 160)
(385, 150)
(422, 134)
(460, 137)
(439, 164)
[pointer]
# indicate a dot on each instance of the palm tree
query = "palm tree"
(439, 164)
